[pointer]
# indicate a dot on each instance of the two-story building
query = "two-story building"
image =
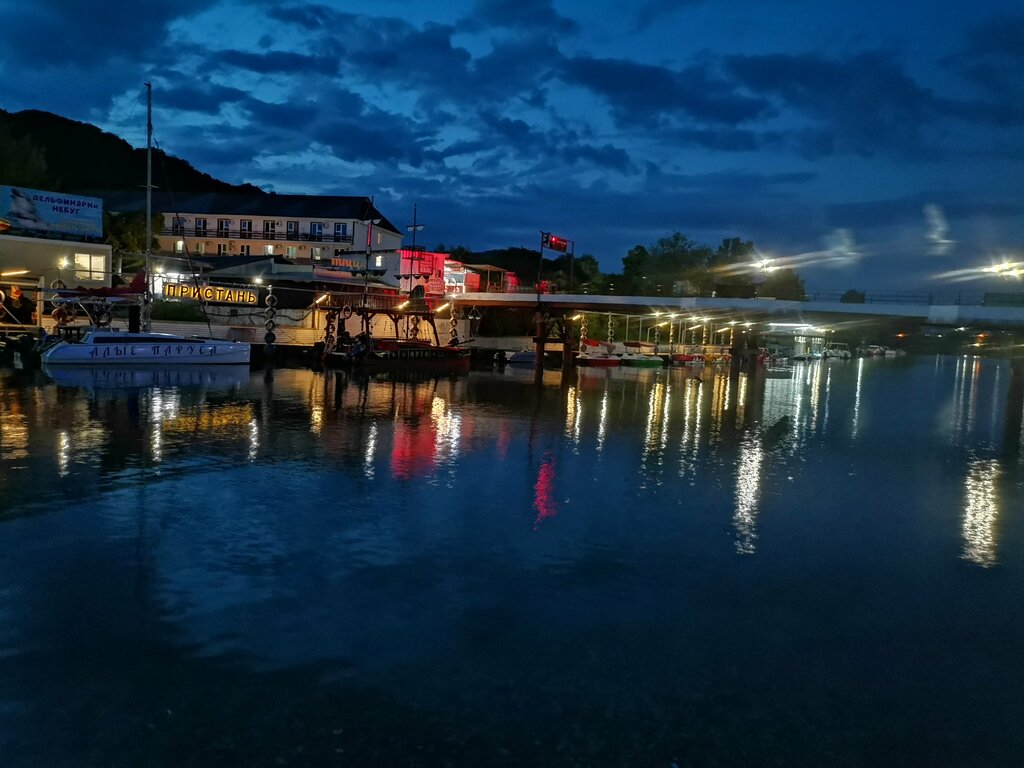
(305, 229)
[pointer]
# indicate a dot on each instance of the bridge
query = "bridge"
(813, 312)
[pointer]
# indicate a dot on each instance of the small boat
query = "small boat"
(111, 347)
(636, 358)
(692, 355)
(368, 353)
(523, 357)
(593, 358)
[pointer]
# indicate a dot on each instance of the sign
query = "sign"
(555, 243)
(39, 211)
(214, 293)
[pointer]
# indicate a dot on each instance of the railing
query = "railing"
(237, 234)
(928, 298)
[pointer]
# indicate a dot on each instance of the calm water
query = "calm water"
(628, 568)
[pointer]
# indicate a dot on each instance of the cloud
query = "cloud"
(864, 104)
(992, 61)
(650, 11)
(537, 16)
(644, 94)
(277, 62)
(938, 244)
(72, 32)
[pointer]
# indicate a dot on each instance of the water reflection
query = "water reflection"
(981, 511)
(748, 488)
(461, 540)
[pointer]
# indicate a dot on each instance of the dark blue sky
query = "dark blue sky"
(873, 144)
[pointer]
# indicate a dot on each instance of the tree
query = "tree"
(852, 296)
(126, 235)
(22, 163)
(634, 270)
(782, 284)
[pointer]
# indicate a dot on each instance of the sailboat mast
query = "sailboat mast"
(149, 204)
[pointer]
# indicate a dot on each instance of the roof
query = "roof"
(485, 268)
(273, 204)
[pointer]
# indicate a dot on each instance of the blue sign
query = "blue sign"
(39, 211)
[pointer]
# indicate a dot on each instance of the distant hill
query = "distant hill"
(78, 156)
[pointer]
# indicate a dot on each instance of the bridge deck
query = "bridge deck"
(754, 310)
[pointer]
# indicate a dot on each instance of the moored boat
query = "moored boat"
(691, 355)
(635, 357)
(110, 347)
(385, 354)
(593, 358)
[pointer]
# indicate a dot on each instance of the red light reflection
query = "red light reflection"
(542, 501)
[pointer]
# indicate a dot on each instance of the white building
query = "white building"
(321, 230)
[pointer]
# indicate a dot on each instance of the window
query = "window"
(179, 246)
(200, 227)
(378, 237)
(222, 249)
(178, 226)
(315, 253)
(200, 247)
(88, 266)
(245, 250)
(291, 251)
(245, 227)
(223, 228)
(268, 250)
(316, 230)
(269, 230)
(379, 262)
(340, 231)
(293, 230)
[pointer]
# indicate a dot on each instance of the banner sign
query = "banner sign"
(34, 209)
(214, 293)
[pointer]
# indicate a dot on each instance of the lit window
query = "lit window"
(200, 247)
(268, 250)
(88, 266)
(379, 262)
(291, 251)
(315, 252)
(179, 246)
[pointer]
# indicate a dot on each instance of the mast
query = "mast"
(149, 207)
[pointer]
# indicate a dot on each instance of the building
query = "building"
(323, 230)
(48, 240)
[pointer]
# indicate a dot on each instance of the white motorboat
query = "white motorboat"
(107, 347)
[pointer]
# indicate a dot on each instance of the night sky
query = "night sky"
(873, 144)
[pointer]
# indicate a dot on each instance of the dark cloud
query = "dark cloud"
(993, 60)
(311, 16)
(650, 11)
(198, 97)
(865, 104)
(535, 16)
(278, 62)
(72, 32)
(644, 95)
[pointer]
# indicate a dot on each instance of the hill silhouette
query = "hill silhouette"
(68, 156)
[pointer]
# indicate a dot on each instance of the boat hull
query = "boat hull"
(388, 357)
(598, 361)
(148, 350)
(642, 361)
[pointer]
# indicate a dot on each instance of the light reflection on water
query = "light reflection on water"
(502, 551)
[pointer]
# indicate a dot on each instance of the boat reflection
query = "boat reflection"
(112, 377)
